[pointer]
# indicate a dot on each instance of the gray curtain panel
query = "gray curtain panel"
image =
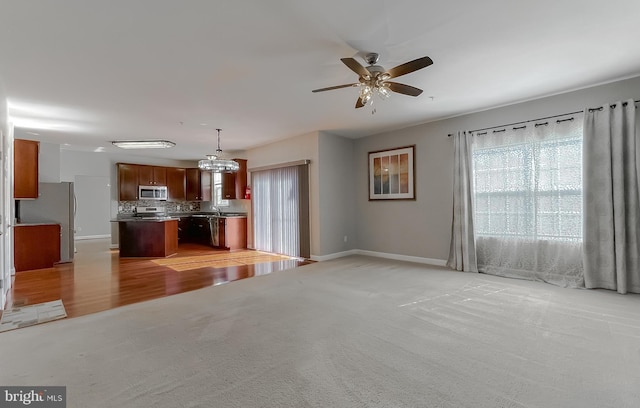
(611, 159)
(462, 252)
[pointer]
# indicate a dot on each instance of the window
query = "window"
(528, 182)
(217, 191)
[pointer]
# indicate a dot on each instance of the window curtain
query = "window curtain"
(528, 201)
(462, 251)
(612, 209)
(280, 207)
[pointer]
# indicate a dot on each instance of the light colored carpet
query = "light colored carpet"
(220, 260)
(352, 332)
(24, 316)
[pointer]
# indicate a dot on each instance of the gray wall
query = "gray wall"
(336, 194)
(422, 228)
(101, 167)
(49, 163)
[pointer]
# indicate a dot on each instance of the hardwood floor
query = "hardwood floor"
(99, 279)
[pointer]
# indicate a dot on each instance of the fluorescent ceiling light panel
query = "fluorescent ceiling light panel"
(143, 144)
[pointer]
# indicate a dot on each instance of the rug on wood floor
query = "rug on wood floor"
(24, 316)
(220, 260)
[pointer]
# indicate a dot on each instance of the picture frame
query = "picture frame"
(392, 174)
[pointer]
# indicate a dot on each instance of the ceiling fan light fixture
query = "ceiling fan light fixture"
(383, 92)
(217, 163)
(373, 78)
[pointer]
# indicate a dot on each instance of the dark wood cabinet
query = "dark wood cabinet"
(206, 186)
(182, 184)
(148, 238)
(36, 246)
(176, 184)
(228, 186)
(152, 176)
(198, 185)
(127, 182)
(25, 168)
(234, 184)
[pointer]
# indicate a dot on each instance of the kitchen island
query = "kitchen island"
(148, 237)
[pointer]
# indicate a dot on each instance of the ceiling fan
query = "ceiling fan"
(375, 79)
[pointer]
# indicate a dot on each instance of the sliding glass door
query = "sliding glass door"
(280, 206)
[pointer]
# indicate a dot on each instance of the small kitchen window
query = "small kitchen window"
(218, 201)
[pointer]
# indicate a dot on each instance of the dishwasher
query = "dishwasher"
(213, 229)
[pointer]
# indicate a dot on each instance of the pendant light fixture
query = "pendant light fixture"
(217, 163)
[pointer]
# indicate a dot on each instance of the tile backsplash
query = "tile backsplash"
(129, 207)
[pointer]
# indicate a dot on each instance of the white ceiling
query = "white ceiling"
(85, 72)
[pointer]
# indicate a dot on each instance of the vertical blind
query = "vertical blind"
(280, 202)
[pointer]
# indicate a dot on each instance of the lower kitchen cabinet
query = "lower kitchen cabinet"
(35, 246)
(232, 232)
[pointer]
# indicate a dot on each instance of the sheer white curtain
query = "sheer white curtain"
(528, 201)
(280, 207)
(612, 198)
(462, 252)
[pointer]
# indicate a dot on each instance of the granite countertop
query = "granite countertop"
(210, 214)
(144, 219)
(32, 224)
(175, 216)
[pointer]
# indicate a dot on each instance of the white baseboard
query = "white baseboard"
(397, 257)
(79, 238)
(335, 255)
(114, 246)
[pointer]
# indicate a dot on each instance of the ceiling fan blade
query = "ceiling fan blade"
(404, 89)
(355, 66)
(359, 103)
(409, 67)
(334, 87)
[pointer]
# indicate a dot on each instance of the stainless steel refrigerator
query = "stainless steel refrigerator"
(56, 203)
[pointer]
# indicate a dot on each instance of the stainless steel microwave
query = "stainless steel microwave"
(152, 193)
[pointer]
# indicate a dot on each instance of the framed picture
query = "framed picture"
(391, 174)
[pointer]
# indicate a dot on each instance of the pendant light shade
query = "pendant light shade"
(217, 163)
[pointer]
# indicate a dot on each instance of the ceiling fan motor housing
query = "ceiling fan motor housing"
(372, 58)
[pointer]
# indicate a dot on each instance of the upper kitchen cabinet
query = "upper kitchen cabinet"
(25, 168)
(234, 184)
(198, 185)
(127, 182)
(152, 176)
(176, 184)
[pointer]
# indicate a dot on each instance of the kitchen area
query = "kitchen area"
(160, 208)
